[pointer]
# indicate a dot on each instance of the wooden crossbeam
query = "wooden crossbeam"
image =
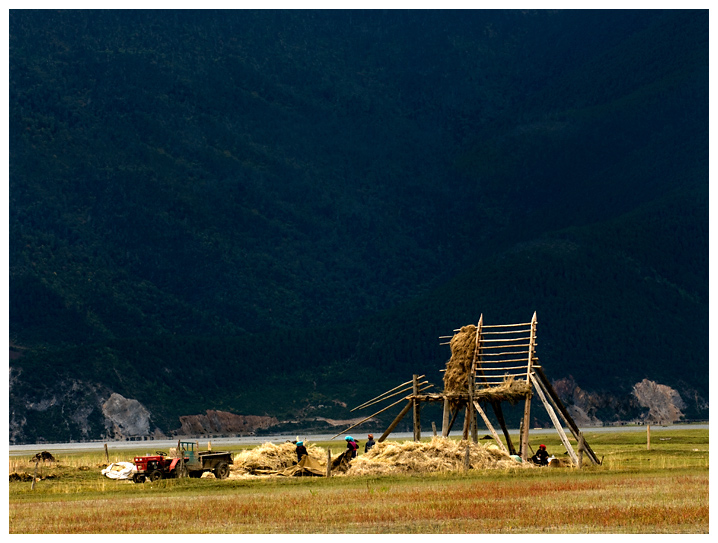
(505, 339)
(508, 325)
(503, 360)
(506, 353)
(382, 399)
(387, 392)
(503, 345)
(367, 418)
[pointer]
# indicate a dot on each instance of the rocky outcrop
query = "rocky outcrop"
(648, 402)
(664, 404)
(125, 417)
(221, 422)
(58, 410)
(583, 406)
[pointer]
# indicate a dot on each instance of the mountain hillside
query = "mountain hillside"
(277, 213)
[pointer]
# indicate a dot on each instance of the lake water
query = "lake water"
(231, 442)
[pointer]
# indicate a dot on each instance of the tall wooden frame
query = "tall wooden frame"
(504, 367)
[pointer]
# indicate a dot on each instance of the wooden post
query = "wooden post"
(107, 454)
(467, 456)
(34, 475)
(496, 406)
(490, 427)
(527, 404)
(417, 412)
(467, 422)
(472, 384)
(453, 419)
(648, 437)
(433, 427)
(329, 462)
(395, 422)
(445, 419)
(474, 428)
(580, 450)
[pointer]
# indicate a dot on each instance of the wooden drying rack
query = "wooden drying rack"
(504, 368)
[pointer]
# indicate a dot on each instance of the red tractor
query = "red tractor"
(190, 462)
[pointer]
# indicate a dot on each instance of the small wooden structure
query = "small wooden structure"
(503, 366)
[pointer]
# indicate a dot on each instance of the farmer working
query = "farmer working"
(301, 450)
(370, 443)
(351, 446)
(541, 456)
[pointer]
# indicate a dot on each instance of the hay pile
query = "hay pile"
(269, 458)
(462, 345)
(440, 454)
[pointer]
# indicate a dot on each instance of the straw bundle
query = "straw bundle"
(269, 458)
(440, 454)
(462, 345)
(511, 390)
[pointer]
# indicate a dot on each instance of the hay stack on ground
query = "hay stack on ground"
(439, 454)
(270, 458)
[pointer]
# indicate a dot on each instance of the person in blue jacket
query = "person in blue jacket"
(370, 443)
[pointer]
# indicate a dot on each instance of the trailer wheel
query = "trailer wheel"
(222, 470)
(154, 475)
(195, 474)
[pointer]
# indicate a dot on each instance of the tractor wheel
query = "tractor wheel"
(222, 470)
(195, 474)
(155, 476)
(138, 478)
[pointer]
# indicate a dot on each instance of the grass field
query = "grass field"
(635, 490)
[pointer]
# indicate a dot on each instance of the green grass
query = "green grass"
(635, 490)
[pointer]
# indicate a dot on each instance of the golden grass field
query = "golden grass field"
(635, 490)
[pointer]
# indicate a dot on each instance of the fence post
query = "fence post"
(34, 475)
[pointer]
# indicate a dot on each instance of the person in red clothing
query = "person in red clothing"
(541, 456)
(351, 446)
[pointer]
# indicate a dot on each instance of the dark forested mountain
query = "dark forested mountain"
(261, 212)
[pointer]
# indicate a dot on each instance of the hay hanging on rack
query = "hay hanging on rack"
(439, 454)
(462, 345)
(511, 390)
(458, 368)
